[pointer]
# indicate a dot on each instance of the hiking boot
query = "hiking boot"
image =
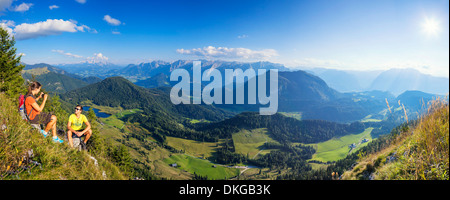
(58, 140)
(43, 133)
(83, 145)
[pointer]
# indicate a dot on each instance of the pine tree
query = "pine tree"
(96, 143)
(53, 105)
(11, 81)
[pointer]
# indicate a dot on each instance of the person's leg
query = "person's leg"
(41, 119)
(69, 137)
(54, 126)
(51, 124)
(88, 135)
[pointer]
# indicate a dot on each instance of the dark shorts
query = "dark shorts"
(75, 135)
(43, 118)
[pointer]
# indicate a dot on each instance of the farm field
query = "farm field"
(295, 115)
(250, 142)
(194, 148)
(337, 148)
(201, 167)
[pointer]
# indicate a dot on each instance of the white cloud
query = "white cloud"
(9, 30)
(83, 28)
(45, 28)
(22, 7)
(314, 62)
(225, 52)
(111, 21)
(81, 1)
(5, 4)
(116, 32)
(7, 24)
(67, 54)
(242, 36)
(53, 7)
(98, 58)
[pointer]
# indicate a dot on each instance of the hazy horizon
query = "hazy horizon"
(304, 68)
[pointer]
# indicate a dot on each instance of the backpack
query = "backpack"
(23, 111)
(22, 106)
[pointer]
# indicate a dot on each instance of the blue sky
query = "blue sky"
(340, 34)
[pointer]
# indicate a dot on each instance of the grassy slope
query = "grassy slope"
(148, 152)
(420, 153)
(58, 161)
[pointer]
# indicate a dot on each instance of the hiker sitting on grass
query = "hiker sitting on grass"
(75, 124)
(34, 111)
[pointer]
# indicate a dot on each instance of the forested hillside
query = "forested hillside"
(119, 92)
(282, 128)
(54, 82)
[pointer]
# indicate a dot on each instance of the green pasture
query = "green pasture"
(337, 148)
(295, 115)
(192, 147)
(250, 142)
(369, 118)
(201, 167)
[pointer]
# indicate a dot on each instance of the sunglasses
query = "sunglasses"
(77, 109)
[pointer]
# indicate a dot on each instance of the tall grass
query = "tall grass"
(429, 146)
(424, 155)
(49, 160)
(419, 152)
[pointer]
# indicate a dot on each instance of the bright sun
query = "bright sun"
(431, 26)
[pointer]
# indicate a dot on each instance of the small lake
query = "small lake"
(97, 112)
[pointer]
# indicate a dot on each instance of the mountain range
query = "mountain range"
(156, 73)
(55, 79)
(398, 81)
(308, 95)
(395, 81)
(299, 91)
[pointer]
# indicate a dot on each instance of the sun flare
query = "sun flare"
(431, 26)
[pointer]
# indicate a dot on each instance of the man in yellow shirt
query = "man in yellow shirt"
(75, 125)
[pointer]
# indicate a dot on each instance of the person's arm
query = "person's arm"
(88, 127)
(41, 107)
(39, 97)
(69, 127)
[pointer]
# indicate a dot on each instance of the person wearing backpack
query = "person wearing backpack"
(33, 111)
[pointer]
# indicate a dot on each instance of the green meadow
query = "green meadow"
(295, 115)
(201, 167)
(115, 121)
(337, 148)
(250, 142)
(191, 147)
(369, 118)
